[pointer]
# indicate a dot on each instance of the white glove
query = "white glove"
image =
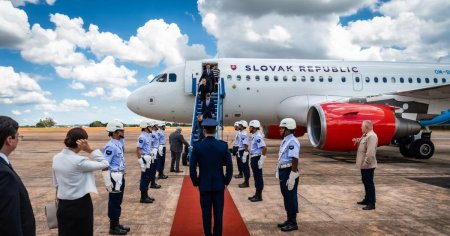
(117, 177)
(291, 181)
(261, 161)
(244, 156)
(160, 150)
(148, 160)
(153, 153)
(107, 178)
(142, 164)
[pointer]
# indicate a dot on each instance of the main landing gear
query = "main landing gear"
(420, 148)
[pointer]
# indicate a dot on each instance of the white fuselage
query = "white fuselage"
(271, 89)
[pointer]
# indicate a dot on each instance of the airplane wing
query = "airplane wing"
(438, 92)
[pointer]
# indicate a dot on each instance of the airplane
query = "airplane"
(328, 98)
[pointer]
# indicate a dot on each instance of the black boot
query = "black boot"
(291, 225)
(115, 229)
(239, 176)
(162, 175)
(281, 225)
(145, 198)
(124, 227)
(155, 185)
(256, 198)
(245, 184)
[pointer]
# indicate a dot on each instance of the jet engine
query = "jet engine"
(337, 126)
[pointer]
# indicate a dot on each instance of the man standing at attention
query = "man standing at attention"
(366, 160)
(210, 155)
(16, 213)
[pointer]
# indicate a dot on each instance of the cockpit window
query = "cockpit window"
(172, 77)
(160, 78)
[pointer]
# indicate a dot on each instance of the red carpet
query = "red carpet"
(188, 217)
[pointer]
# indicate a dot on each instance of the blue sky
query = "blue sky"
(76, 61)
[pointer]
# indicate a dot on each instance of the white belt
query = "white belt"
(118, 171)
(163, 145)
(282, 166)
(255, 155)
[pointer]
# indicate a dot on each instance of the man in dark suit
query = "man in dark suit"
(210, 155)
(176, 141)
(16, 213)
(208, 107)
(209, 75)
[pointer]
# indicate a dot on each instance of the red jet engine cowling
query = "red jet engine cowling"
(336, 126)
(273, 132)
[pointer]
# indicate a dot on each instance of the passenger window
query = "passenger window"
(303, 78)
(384, 80)
(375, 79)
(410, 80)
(367, 80)
(444, 80)
(330, 79)
(321, 78)
(266, 78)
(238, 78)
(275, 77)
(247, 77)
(402, 80)
(294, 78)
(312, 78)
(228, 77)
(257, 78)
(357, 79)
(427, 80)
(419, 80)
(393, 80)
(343, 79)
(172, 77)
(435, 80)
(285, 78)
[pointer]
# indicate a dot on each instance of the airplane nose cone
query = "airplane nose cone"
(133, 102)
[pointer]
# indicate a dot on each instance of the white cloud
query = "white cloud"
(16, 112)
(50, 2)
(67, 105)
(106, 73)
(407, 30)
(76, 85)
(14, 26)
(118, 94)
(150, 77)
(98, 91)
(18, 3)
(20, 88)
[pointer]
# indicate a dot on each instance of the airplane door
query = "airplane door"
(357, 82)
(192, 73)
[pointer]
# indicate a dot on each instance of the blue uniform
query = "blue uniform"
(289, 150)
(154, 144)
(143, 144)
(236, 152)
(210, 155)
(243, 140)
(255, 154)
(162, 158)
(114, 153)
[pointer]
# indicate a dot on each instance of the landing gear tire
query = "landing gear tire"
(422, 149)
(404, 150)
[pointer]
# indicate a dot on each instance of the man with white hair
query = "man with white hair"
(176, 141)
(366, 160)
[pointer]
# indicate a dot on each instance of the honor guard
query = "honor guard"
(154, 145)
(144, 159)
(235, 150)
(243, 153)
(287, 172)
(161, 150)
(258, 151)
(211, 155)
(114, 176)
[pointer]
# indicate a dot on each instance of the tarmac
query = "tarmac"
(413, 196)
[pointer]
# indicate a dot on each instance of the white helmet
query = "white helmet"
(254, 124)
(114, 125)
(243, 123)
(236, 123)
(161, 124)
(144, 124)
(288, 123)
